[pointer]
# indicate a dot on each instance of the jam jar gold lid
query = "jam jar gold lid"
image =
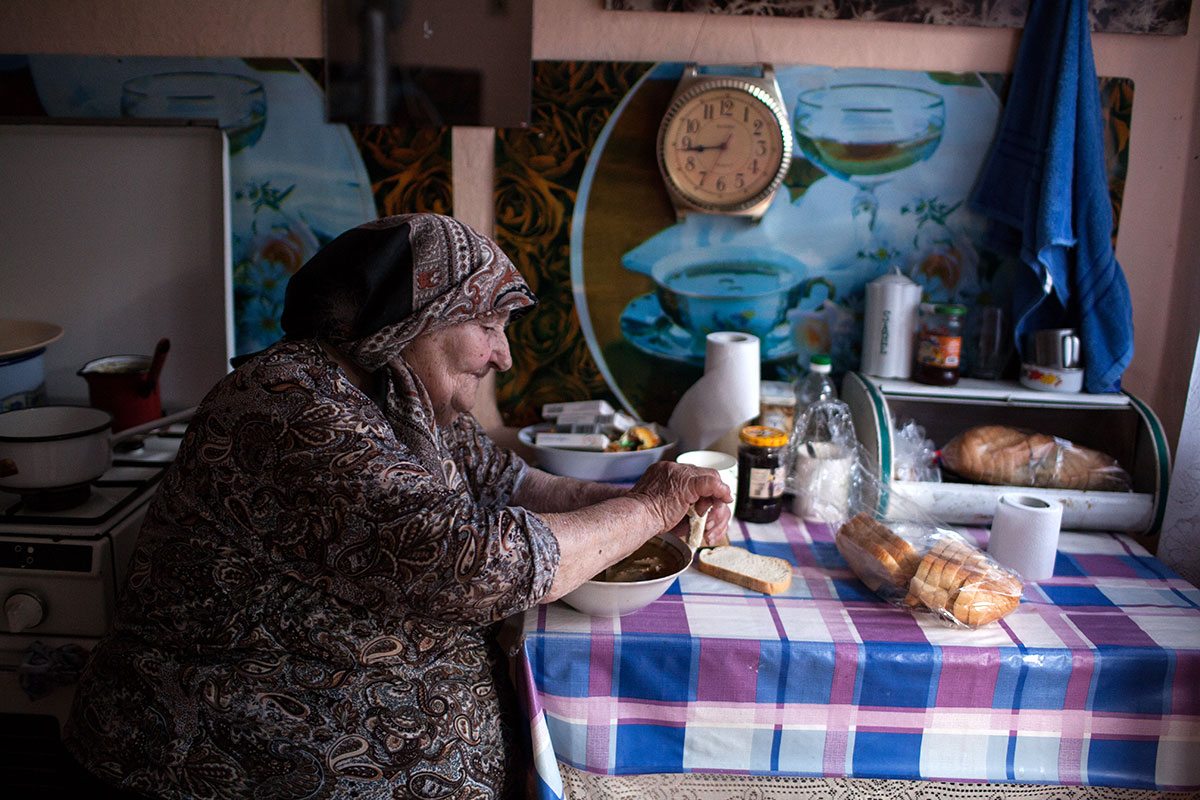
(763, 436)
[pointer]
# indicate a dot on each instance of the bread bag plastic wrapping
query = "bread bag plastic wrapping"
(914, 457)
(1004, 456)
(913, 561)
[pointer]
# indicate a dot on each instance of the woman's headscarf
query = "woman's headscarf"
(375, 288)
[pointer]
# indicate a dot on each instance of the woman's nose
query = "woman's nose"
(501, 357)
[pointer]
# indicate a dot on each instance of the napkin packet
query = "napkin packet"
(592, 425)
(915, 562)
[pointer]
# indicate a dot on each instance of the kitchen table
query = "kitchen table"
(1093, 681)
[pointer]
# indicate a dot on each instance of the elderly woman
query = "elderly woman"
(312, 607)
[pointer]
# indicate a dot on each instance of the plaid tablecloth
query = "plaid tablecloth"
(1093, 680)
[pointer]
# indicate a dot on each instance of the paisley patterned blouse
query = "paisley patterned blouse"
(310, 611)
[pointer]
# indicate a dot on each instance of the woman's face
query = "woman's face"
(452, 361)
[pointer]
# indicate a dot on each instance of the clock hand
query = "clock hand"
(721, 147)
(700, 148)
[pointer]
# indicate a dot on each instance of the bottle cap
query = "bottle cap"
(763, 436)
(820, 363)
(951, 309)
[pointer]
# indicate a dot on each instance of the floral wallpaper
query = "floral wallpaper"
(1111, 16)
(538, 173)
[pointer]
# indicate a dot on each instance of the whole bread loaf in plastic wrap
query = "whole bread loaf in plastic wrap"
(1004, 456)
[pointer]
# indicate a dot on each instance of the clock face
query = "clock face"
(724, 146)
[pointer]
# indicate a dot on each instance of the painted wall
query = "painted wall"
(1159, 243)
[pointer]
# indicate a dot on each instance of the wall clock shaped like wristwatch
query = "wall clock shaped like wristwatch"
(724, 144)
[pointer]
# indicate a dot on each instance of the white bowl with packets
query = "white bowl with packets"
(590, 441)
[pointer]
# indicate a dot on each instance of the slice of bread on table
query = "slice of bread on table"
(765, 574)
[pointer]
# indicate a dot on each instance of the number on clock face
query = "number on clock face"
(723, 147)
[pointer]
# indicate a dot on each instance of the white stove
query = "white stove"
(62, 568)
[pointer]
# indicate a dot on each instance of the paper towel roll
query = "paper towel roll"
(1025, 535)
(725, 397)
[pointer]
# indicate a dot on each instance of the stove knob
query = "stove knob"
(23, 611)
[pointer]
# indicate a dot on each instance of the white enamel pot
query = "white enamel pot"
(55, 446)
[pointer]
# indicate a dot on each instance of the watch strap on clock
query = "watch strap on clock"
(754, 71)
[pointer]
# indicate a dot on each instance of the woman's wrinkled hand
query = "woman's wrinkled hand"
(668, 489)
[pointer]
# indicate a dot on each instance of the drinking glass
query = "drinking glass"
(989, 343)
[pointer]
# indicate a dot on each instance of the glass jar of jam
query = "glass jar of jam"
(762, 473)
(939, 345)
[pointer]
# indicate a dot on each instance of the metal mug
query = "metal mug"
(1054, 347)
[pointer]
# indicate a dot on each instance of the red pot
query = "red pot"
(124, 387)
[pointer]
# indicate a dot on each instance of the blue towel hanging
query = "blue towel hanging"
(1045, 182)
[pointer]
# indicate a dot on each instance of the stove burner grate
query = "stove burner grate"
(102, 500)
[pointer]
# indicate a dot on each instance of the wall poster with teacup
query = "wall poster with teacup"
(883, 164)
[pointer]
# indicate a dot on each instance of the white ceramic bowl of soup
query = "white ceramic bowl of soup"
(602, 598)
(591, 465)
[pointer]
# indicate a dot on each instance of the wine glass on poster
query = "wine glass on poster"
(238, 103)
(866, 134)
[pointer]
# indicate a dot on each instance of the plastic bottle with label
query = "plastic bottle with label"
(816, 385)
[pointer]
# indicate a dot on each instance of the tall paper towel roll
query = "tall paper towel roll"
(725, 397)
(1025, 535)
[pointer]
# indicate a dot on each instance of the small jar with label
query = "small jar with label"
(762, 473)
(939, 345)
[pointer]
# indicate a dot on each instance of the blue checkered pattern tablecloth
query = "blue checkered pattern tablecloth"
(1093, 680)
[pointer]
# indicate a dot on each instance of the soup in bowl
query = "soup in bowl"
(635, 581)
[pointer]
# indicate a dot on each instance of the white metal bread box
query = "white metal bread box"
(1117, 424)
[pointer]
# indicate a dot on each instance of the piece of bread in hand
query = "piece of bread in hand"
(1004, 456)
(958, 581)
(876, 554)
(765, 574)
(696, 524)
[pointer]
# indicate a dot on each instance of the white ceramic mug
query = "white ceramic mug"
(714, 459)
